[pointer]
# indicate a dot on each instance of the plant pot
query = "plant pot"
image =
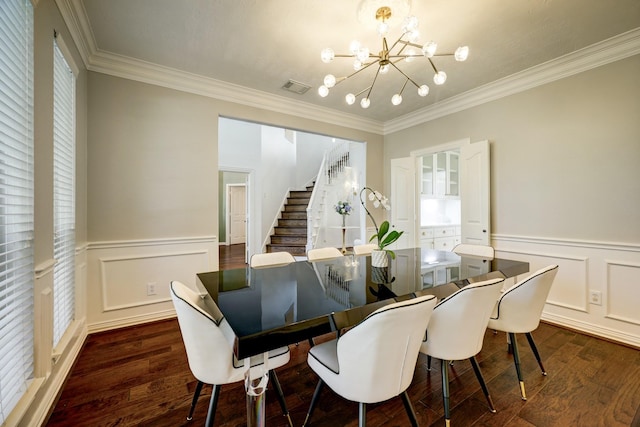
(379, 258)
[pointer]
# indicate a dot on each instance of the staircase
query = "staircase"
(290, 234)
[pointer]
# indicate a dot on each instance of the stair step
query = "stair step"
(299, 231)
(298, 201)
(294, 215)
(300, 194)
(288, 240)
(288, 222)
(295, 208)
(293, 250)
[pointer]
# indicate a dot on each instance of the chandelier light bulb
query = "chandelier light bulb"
(413, 35)
(423, 90)
(363, 54)
(384, 69)
(327, 55)
(364, 102)
(411, 54)
(410, 23)
(429, 49)
(461, 53)
(354, 47)
(396, 99)
(329, 80)
(383, 29)
(350, 98)
(357, 64)
(440, 78)
(323, 91)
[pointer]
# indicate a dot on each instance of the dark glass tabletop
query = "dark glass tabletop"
(275, 306)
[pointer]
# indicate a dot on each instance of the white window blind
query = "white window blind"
(63, 194)
(16, 202)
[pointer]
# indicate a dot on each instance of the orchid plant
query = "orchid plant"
(383, 236)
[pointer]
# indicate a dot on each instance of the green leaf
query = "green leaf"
(384, 227)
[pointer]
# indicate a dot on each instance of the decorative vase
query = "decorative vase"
(379, 258)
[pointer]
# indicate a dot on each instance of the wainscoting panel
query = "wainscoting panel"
(125, 281)
(622, 281)
(120, 274)
(596, 289)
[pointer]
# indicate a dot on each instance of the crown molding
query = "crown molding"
(598, 54)
(602, 53)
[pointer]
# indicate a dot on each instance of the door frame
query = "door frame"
(250, 189)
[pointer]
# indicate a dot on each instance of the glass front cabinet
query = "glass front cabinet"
(440, 174)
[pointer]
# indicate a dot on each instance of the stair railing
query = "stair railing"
(333, 164)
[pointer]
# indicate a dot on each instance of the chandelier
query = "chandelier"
(386, 13)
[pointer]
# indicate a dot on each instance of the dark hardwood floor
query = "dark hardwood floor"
(139, 376)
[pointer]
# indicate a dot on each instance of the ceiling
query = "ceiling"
(260, 45)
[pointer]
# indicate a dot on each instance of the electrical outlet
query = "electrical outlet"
(595, 297)
(151, 288)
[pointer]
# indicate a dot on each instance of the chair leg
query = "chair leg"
(445, 392)
(213, 403)
(362, 414)
(483, 384)
(532, 344)
(314, 400)
(516, 359)
(194, 401)
(409, 408)
(283, 404)
(428, 363)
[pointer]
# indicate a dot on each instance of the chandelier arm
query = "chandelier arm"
(435, 70)
(374, 81)
(408, 78)
(404, 85)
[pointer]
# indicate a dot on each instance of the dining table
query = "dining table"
(275, 306)
(271, 307)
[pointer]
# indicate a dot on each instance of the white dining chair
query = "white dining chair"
(456, 331)
(364, 249)
(208, 341)
(375, 360)
(271, 259)
(518, 311)
(474, 250)
(319, 254)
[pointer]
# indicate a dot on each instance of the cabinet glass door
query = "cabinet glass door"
(427, 175)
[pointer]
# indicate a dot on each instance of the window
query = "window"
(16, 202)
(63, 193)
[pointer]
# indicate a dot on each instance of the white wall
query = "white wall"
(564, 187)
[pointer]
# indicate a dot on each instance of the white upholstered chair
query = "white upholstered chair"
(319, 254)
(208, 340)
(518, 310)
(364, 249)
(271, 259)
(375, 360)
(456, 331)
(475, 250)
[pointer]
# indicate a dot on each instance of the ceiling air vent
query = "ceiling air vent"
(296, 87)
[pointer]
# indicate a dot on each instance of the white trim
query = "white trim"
(448, 146)
(116, 244)
(44, 268)
(131, 321)
(590, 328)
(618, 246)
(616, 48)
(613, 49)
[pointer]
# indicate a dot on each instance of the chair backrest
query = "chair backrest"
(318, 254)
(364, 249)
(475, 250)
(519, 308)
(378, 356)
(207, 337)
(271, 259)
(457, 325)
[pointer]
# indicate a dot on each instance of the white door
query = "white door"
(403, 196)
(474, 193)
(237, 214)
